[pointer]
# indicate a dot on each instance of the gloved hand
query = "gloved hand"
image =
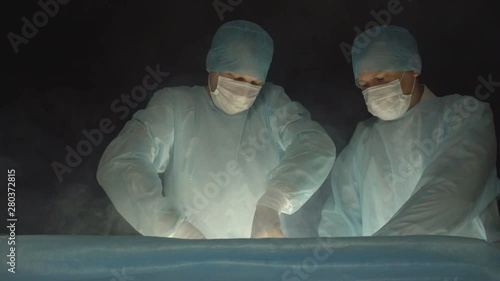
(187, 231)
(266, 223)
(165, 224)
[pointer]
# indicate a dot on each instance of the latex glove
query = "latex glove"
(266, 223)
(166, 224)
(188, 231)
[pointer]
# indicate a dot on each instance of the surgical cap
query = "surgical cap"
(241, 47)
(385, 47)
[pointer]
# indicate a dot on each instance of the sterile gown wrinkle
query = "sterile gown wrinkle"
(430, 172)
(214, 166)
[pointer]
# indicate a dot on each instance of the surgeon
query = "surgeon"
(422, 165)
(221, 161)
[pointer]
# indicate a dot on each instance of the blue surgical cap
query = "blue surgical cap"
(385, 47)
(241, 47)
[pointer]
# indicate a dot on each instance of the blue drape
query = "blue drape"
(138, 258)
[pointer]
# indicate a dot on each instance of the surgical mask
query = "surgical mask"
(387, 101)
(233, 96)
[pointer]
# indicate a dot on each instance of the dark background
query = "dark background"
(65, 78)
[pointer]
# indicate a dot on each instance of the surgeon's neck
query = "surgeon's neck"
(417, 94)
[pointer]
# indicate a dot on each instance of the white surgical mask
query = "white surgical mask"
(387, 101)
(233, 96)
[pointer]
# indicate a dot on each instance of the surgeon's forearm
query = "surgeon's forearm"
(135, 191)
(127, 174)
(441, 207)
(275, 199)
(418, 217)
(306, 164)
(454, 187)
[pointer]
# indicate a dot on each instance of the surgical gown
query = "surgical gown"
(182, 155)
(430, 172)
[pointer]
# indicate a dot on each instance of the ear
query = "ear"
(416, 74)
(212, 80)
